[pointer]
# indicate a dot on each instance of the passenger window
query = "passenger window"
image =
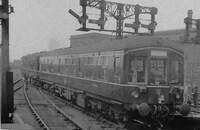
(66, 62)
(59, 61)
(103, 60)
(116, 63)
(90, 61)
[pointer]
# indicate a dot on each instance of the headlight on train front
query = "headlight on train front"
(178, 96)
(135, 94)
(161, 99)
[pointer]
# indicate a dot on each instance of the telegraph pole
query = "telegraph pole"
(6, 76)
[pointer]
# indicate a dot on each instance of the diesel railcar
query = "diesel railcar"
(145, 78)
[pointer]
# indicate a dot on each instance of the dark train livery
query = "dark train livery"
(139, 77)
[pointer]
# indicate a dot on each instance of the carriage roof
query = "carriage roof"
(89, 44)
(97, 42)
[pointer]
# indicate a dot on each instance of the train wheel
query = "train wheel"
(136, 126)
(139, 125)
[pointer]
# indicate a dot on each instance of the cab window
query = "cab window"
(158, 70)
(155, 67)
(137, 70)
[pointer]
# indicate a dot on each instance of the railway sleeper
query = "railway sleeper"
(37, 119)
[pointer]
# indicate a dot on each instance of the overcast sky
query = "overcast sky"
(39, 25)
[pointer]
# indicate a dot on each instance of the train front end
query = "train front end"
(155, 78)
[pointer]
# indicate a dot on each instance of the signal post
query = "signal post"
(6, 80)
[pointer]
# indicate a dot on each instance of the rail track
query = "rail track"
(47, 114)
(192, 120)
(38, 118)
(58, 106)
(87, 120)
(18, 84)
(67, 113)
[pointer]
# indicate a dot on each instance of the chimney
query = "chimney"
(188, 24)
(190, 13)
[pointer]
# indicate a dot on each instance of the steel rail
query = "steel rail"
(18, 88)
(17, 81)
(58, 109)
(38, 118)
(73, 106)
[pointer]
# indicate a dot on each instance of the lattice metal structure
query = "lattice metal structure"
(119, 12)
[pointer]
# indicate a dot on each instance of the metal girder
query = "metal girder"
(121, 11)
(128, 9)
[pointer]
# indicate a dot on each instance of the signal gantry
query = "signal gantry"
(119, 12)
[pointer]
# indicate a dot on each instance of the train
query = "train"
(144, 79)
